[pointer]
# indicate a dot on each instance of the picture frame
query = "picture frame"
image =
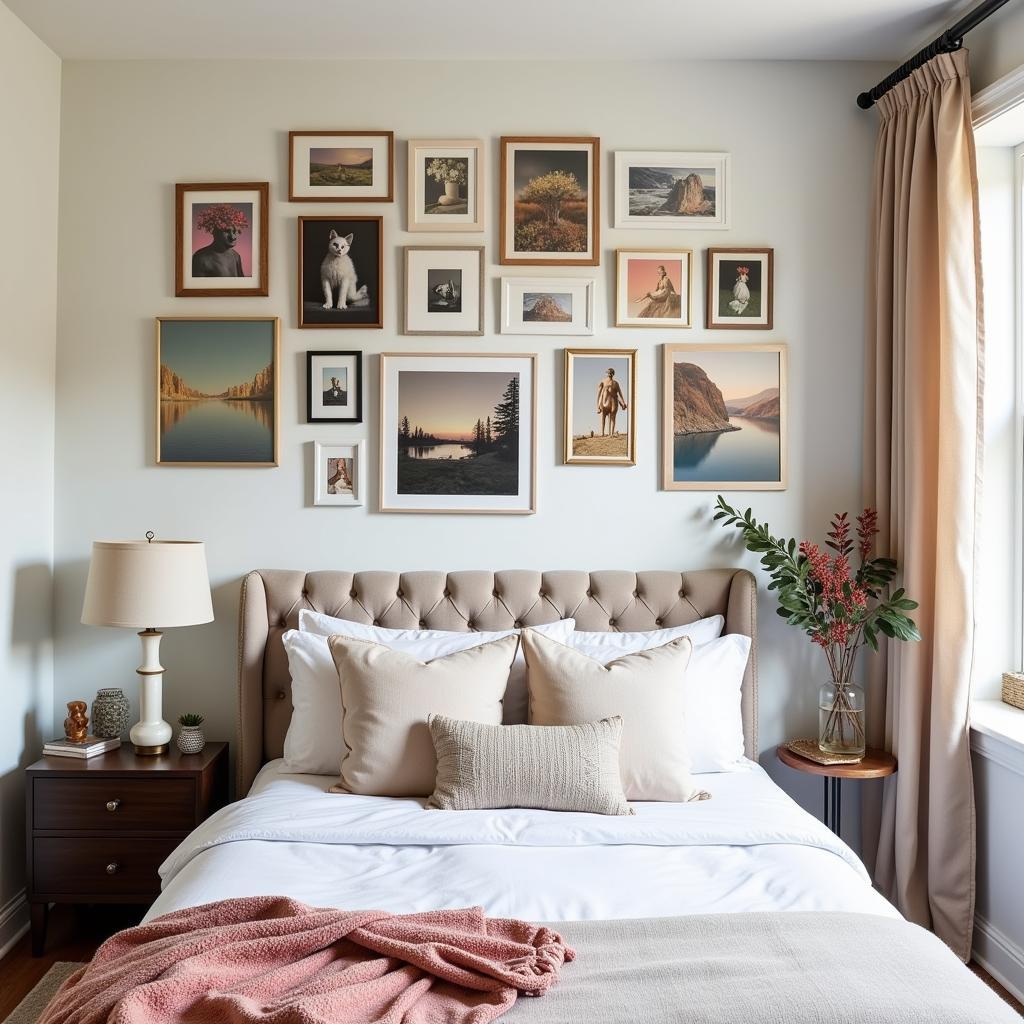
(547, 305)
(458, 433)
(673, 190)
(740, 289)
(444, 289)
(653, 288)
(611, 374)
(341, 166)
(221, 234)
(339, 473)
(332, 248)
(218, 390)
(724, 417)
(445, 185)
(334, 387)
(550, 200)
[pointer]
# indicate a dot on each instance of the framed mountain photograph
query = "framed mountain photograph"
(444, 289)
(672, 190)
(341, 271)
(741, 289)
(334, 387)
(600, 419)
(547, 305)
(446, 185)
(341, 167)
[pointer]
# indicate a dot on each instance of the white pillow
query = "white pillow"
(617, 644)
(712, 687)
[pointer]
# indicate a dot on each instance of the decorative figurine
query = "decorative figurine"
(76, 725)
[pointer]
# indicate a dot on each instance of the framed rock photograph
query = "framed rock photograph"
(221, 239)
(672, 190)
(334, 387)
(444, 289)
(341, 167)
(741, 289)
(550, 201)
(600, 421)
(653, 288)
(547, 305)
(458, 433)
(341, 271)
(217, 389)
(338, 474)
(724, 418)
(446, 185)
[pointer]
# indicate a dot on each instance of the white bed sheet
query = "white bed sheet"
(749, 848)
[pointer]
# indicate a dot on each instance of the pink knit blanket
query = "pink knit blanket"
(277, 961)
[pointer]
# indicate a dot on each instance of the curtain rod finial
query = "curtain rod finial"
(864, 101)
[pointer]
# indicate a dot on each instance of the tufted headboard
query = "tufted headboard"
(477, 599)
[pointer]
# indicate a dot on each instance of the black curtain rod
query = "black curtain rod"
(950, 40)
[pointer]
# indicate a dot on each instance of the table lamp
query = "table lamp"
(148, 583)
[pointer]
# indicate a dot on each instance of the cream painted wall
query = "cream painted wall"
(802, 156)
(997, 45)
(30, 129)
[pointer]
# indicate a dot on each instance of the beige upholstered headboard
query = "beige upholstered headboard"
(609, 600)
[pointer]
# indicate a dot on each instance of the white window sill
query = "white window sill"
(997, 732)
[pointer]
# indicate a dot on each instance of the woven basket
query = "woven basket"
(1013, 689)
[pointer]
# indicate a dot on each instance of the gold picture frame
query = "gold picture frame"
(577, 374)
(649, 286)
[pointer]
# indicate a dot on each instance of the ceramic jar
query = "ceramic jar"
(111, 713)
(191, 739)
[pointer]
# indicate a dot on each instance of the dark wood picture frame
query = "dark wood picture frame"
(388, 198)
(311, 354)
(767, 287)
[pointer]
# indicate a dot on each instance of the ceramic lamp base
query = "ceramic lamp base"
(151, 734)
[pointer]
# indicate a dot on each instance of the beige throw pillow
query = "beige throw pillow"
(555, 768)
(645, 688)
(386, 697)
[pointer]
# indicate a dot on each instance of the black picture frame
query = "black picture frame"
(357, 404)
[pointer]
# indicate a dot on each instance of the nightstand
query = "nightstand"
(99, 828)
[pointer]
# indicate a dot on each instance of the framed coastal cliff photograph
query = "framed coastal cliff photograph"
(672, 190)
(724, 417)
(444, 289)
(217, 390)
(338, 474)
(334, 387)
(458, 433)
(550, 201)
(599, 419)
(653, 288)
(341, 167)
(341, 271)
(221, 239)
(446, 185)
(740, 289)
(547, 305)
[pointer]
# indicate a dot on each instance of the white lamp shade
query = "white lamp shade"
(147, 584)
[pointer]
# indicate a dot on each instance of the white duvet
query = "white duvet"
(748, 848)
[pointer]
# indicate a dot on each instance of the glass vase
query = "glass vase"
(841, 719)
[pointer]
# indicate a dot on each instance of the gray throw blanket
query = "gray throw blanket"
(781, 968)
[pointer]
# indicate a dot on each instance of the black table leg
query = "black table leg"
(833, 801)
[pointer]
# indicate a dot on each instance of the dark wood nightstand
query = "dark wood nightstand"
(99, 828)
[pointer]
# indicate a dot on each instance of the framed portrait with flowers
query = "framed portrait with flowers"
(221, 239)
(446, 185)
(740, 289)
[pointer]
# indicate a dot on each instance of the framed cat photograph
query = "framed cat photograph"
(741, 287)
(341, 167)
(444, 290)
(446, 185)
(221, 239)
(341, 271)
(338, 474)
(653, 288)
(334, 387)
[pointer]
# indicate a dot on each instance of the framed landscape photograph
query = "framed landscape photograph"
(220, 239)
(724, 418)
(672, 190)
(444, 289)
(446, 185)
(217, 390)
(547, 305)
(341, 167)
(334, 387)
(653, 288)
(600, 421)
(338, 474)
(458, 433)
(741, 289)
(341, 271)
(550, 201)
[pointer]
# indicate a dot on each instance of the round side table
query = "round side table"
(877, 764)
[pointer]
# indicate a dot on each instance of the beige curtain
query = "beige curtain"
(922, 463)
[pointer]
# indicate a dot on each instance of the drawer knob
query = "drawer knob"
(112, 867)
(112, 805)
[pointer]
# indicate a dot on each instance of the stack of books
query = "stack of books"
(89, 747)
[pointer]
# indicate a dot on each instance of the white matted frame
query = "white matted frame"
(647, 207)
(647, 307)
(458, 267)
(380, 188)
(445, 211)
(339, 473)
(569, 300)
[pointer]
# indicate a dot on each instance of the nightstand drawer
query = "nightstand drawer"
(108, 804)
(111, 866)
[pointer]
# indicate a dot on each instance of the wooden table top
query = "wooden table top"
(124, 760)
(877, 764)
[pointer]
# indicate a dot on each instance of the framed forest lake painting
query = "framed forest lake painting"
(458, 433)
(724, 418)
(672, 190)
(217, 391)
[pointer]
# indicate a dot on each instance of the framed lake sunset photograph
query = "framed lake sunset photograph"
(724, 417)
(458, 433)
(600, 421)
(446, 185)
(217, 391)
(672, 190)
(653, 288)
(341, 167)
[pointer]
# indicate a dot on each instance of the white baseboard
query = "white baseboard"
(1000, 956)
(13, 922)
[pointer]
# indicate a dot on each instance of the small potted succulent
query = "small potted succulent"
(190, 736)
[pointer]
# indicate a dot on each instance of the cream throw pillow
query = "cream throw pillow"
(645, 688)
(555, 768)
(386, 697)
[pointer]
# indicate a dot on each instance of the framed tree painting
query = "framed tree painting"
(724, 418)
(600, 419)
(458, 433)
(341, 271)
(217, 391)
(221, 239)
(341, 167)
(672, 190)
(741, 289)
(446, 185)
(334, 387)
(444, 289)
(550, 201)
(653, 288)
(338, 474)
(547, 305)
